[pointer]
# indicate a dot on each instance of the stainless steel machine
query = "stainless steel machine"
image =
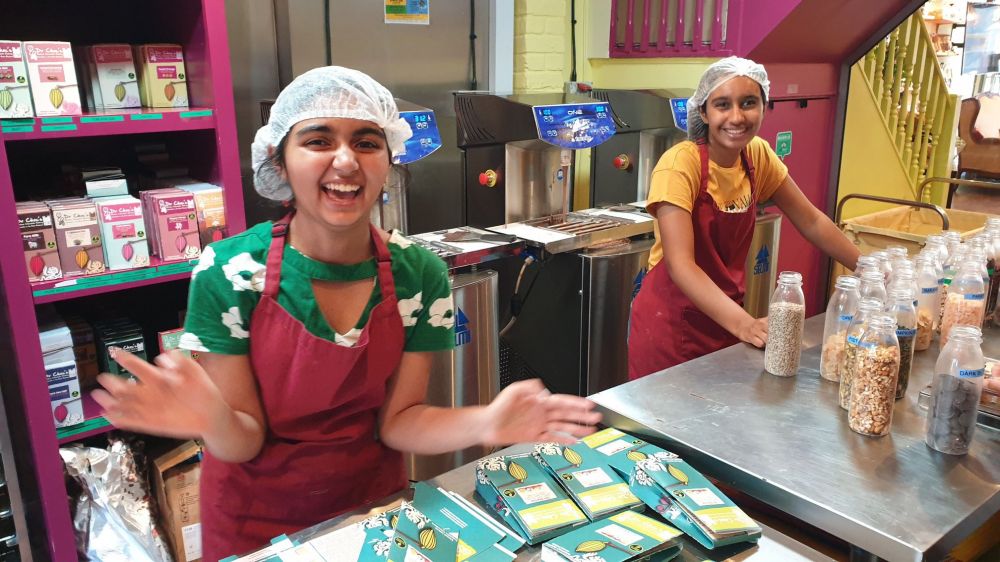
(645, 129)
(517, 152)
(392, 212)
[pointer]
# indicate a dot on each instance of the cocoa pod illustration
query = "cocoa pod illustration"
(572, 457)
(169, 91)
(120, 91)
(517, 471)
(591, 546)
(635, 456)
(216, 235)
(180, 242)
(428, 541)
(36, 264)
(82, 258)
(128, 251)
(6, 99)
(56, 97)
(678, 474)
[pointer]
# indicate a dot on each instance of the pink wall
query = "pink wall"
(756, 22)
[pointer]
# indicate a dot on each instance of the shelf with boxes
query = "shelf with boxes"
(64, 136)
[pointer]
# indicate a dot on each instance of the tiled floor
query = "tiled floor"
(982, 200)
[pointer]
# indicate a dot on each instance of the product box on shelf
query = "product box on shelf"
(104, 182)
(173, 224)
(84, 351)
(162, 79)
(15, 92)
(123, 232)
(120, 333)
(522, 493)
(38, 238)
(594, 486)
(171, 339)
(60, 370)
(110, 76)
(78, 236)
(54, 88)
(210, 205)
(176, 476)
(623, 537)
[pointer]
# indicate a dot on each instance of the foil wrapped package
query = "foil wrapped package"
(114, 520)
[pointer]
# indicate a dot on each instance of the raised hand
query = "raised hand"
(526, 412)
(174, 398)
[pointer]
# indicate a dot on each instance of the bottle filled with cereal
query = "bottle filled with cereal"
(866, 308)
(906, 332)
(927, 301)
(839, 313)
(873, 390)
(966, 300)
(785, 318)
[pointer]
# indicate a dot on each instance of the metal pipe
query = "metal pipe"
(946, 224)
(969, 183)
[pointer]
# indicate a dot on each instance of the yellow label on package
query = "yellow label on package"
(608, 497)
(722, 519)
(608, 435)
(550, 515)
(464, 551)
(646, 526)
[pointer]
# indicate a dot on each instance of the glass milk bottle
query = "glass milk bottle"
(866, 308)
(884, 264)
(965, 303)
(785, 317)
(839, 313)
(866, 263)
(902, 309)
(873, 390)
(927, 302)
(955, 392)
(873, 286)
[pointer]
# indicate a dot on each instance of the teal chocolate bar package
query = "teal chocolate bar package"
(417, 538)
(378, 536)
(526, 498)
(622, 537)
(476, 538)
(592, 484)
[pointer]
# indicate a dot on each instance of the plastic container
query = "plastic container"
(785, 317)
(839, 313)
(955, 392)
(906, 332)
(873, 390)
(873, 286)
(927, 302)
(966, 300)
(866, 308)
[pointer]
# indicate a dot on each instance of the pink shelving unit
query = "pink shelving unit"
(208, 128)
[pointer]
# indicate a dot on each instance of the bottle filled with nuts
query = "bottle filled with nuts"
(857, 327)
(955, 392)
(873, 286)
(927, 301)
(906, 332)
(965, 303)
(839, 313)
(873, 390)
(785, 317)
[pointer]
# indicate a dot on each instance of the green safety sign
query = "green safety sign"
(783, 144)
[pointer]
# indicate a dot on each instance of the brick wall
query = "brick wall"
(541, 45)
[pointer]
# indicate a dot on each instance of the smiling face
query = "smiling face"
(734, 112)
(336, 168)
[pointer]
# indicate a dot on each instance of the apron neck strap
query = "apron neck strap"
(744, 158)
(385, 280)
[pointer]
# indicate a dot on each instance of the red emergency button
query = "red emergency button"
(622, 162)
(488, 178)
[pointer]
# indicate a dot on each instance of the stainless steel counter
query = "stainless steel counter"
(785, 441)
(772, 547)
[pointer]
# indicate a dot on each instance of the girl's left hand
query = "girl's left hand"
(526, 412)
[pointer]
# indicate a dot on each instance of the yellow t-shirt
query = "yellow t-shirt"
(676, 180)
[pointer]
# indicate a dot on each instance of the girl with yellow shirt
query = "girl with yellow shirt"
(703, 193)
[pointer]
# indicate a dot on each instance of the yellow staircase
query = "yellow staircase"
(918, 115)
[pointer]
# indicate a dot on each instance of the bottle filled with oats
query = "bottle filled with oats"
(906, 332)
(839, 313)
(785, 317)
(873, 390)
(955, 392)
(927, 301)
(857, 327)
(966, 300)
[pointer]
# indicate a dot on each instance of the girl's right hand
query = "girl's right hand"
(174, 398)
(753, 331)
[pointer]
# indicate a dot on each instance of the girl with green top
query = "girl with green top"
(314, 336)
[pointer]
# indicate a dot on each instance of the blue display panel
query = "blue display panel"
(679, 107)
(426, 137)
(577, 125)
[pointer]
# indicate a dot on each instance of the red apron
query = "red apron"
(321, 455)
(666, 328)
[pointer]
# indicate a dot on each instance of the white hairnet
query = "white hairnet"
(716, 75)
(330, 91)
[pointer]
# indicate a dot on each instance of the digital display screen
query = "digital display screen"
(425, 140)
(578, 125)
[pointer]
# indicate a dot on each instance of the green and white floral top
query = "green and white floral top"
(226, 286)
